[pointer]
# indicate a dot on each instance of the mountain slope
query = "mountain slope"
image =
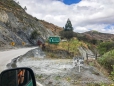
(94, 36)
(55, 29)
(17, 26)
(100, 36)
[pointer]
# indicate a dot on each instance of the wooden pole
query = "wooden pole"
(87, 56)
(96, 56)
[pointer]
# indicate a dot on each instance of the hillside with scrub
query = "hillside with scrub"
(106, 50)
(68, 46)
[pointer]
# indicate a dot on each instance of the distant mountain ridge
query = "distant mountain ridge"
(99, 36)
(92, 36)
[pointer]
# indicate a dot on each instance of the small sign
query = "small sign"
(13, 43)
(78, 62)
(23, 43)
(54, 40)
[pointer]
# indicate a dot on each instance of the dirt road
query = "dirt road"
(7, 56)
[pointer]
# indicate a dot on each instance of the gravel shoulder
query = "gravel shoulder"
(7, 55)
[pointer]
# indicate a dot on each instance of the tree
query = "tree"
(68, 26)
(25, 8)
(18, 3)
(67, 30)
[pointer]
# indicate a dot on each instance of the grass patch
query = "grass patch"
(98, 84)
(57, 77)
(70, 46)
(107, 61)
(51, 55)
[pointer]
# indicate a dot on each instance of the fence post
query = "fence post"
(87, 56)
(96, 56)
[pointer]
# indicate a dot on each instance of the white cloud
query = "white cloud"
(85, 15)
(80, 29)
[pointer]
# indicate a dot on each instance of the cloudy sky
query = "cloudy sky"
(85, 15)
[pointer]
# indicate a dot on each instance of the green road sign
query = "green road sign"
(54, 40)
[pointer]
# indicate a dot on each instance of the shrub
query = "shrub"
(34, 34)
(107, 60)
(105, 47)
(67, 30)
(66, 34)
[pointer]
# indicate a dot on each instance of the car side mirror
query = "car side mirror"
(17, 77)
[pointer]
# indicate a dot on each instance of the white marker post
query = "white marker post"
(78, 63)
(79, 68)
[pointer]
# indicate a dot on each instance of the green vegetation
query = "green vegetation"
(67, 31)
(94, 31)
(106, 51)
(25, 8)
(68, 26)
(86, 38)
(57, 77)
(34, 34)
(36, 19)
(107, 60)
(66, 34)
(10, 4)
(73, 44)
(70, 46)
(39, 76)
(105, 47)
(98, 84)
(51, 55)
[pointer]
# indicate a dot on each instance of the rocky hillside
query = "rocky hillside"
(55, 29)
(16, 26)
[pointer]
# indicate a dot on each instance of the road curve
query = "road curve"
(7, 56)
